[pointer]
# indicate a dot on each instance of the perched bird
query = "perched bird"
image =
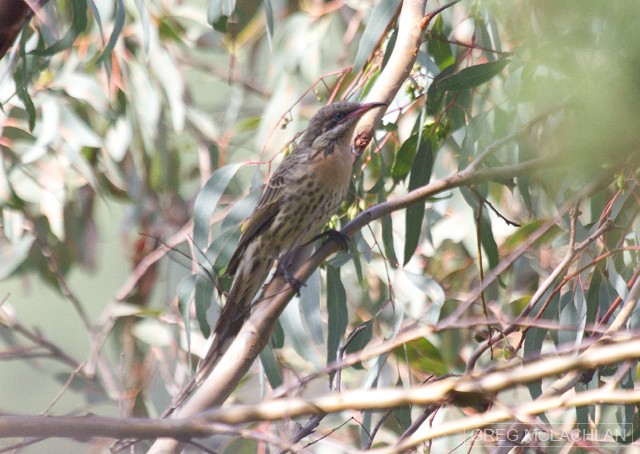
(301, 196)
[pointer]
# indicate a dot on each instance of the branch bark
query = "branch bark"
(618, 348)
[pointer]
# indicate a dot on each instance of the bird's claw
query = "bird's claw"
(335, 235)
(339, 237)
(289, 278)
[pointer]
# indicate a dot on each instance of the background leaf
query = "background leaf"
(207, 201)
(472, 77)
(379, 19)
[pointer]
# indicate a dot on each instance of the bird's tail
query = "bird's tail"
(246, 284)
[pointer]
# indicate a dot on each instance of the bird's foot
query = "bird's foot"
(288, 277)
(337, 236)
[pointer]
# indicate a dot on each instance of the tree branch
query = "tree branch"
(620, 347)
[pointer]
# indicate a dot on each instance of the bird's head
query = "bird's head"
(334, 122)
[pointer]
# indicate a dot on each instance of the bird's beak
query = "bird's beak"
(365, 108)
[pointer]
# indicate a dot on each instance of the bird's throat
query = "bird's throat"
(334, 169)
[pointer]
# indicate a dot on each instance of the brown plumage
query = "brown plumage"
(303, 193)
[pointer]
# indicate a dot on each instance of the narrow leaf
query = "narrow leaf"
(422, 355)
(144, 19)
(337, 310)
(402, 414)
(24, 95)
(294, 328)
(488, 242)
(391, 44)
(472, 77)
(404, 159)
(271, 369)
(184, 292)
(78, 25)
(268, 15)
(387, 240)
(310, 304)
(438, 47)
(420, 175)
(358, 339)
(218, 12)
(203, 298)
(115, 34)
(435, 96)
(207, 201)
(379, 19)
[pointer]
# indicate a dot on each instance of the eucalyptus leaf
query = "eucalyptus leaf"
(298, 337)
(13, 254)
(207, 201)
(268, 14)
(184, 292)
(311, 310)
(78, 25)
(203, 298)
(271, 369)
(420, 175)
(379, 19)
(337, 311)
(115, 33)
(472, 77)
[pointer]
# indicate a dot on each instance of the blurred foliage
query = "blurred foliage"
(146, 102)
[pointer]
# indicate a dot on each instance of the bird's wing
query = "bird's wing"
(262, 216)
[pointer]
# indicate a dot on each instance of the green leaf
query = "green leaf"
(569, 320)
(471, 77)
(24, 95)
(533, 341)
(184, 292)
(487, 240)
(268, 15)
(438, 47)
(294, 328)
(153, 332)
(310, 304)
(78, 25)
(207, 201)
(271, 369)
(435, 96)
(218, 13)
(365, 427)
(402, 414)
(524, 232)
(203, 298)
(221, 248)
(420, 175)
(432, 290)
(404, 158)
(277, 336)
(358, 339)
(96, 15)
(14, 253)
(144, 19)
(361, 248)
(378, 21)
(391, 44)
(423, 356)
(387, 228)
(627, 411)
(337, 311)
(582, 414)
(387, 240)
(115, 34)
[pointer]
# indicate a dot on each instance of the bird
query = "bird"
(303, 193)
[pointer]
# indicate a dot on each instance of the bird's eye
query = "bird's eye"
(339, 116)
